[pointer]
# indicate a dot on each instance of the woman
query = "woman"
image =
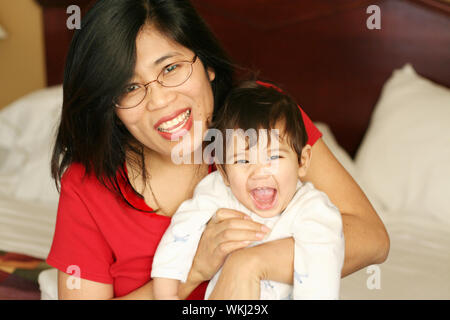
(138, 74)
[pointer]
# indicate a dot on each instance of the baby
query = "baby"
(259, 174)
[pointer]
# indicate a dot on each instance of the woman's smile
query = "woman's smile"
(175, 125)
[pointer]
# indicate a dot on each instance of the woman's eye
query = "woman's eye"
(131, 88)
(276, 157)
(170, 68)
(242, 161)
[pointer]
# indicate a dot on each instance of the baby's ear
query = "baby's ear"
(305, 160)
(221, 169)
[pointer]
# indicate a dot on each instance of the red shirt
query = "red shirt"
(108, 240)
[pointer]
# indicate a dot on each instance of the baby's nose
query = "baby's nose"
(266, 167)
(262, 170)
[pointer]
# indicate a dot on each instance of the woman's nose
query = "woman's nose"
(158, 96)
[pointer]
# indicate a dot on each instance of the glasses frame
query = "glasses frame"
(191, 62)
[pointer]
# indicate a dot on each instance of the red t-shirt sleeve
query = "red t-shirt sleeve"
(77, 240)
(313, 133)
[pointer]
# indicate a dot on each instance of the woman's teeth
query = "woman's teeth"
(174, 124)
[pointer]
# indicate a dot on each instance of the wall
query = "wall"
(22, 59)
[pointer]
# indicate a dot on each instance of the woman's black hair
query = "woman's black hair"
(101, 60)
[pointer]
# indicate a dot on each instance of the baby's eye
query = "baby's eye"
(275, 157)
(241, 161)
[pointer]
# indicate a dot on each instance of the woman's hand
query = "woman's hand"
(228, 231)
(240, 277)
(245, 268)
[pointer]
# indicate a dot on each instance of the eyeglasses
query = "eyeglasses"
(173, 75)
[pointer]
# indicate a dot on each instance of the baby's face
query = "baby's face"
(264, 185)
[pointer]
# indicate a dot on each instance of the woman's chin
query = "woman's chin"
(187, 150)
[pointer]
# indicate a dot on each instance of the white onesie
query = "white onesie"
(310, 218)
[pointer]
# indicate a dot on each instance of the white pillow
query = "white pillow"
(405, 155)
(27, 132)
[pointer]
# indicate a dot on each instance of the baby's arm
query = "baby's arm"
(319, 249)
(165, 289)
(175, 253)
(176, 250)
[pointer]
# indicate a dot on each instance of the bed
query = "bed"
(380, 97)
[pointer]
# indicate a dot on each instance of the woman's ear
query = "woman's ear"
(305, 160)
(211, 74)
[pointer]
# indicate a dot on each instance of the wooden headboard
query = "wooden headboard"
(319, 51)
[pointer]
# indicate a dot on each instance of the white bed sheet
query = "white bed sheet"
(26, 227)
(418, 266)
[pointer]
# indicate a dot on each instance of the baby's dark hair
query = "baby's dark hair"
(257, 105)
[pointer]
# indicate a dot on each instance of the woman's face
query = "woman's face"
(168, 113)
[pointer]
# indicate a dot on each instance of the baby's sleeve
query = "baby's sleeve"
(319, 249)
(175, 254)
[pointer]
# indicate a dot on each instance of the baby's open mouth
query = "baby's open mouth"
(264, 198)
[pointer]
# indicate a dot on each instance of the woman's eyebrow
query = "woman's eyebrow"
(165, 57)
(160, 60)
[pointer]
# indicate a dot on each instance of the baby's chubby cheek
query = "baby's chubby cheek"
(239, 189)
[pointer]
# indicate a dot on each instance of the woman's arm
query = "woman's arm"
(366, 239)
(87, 290)
(91, 290)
